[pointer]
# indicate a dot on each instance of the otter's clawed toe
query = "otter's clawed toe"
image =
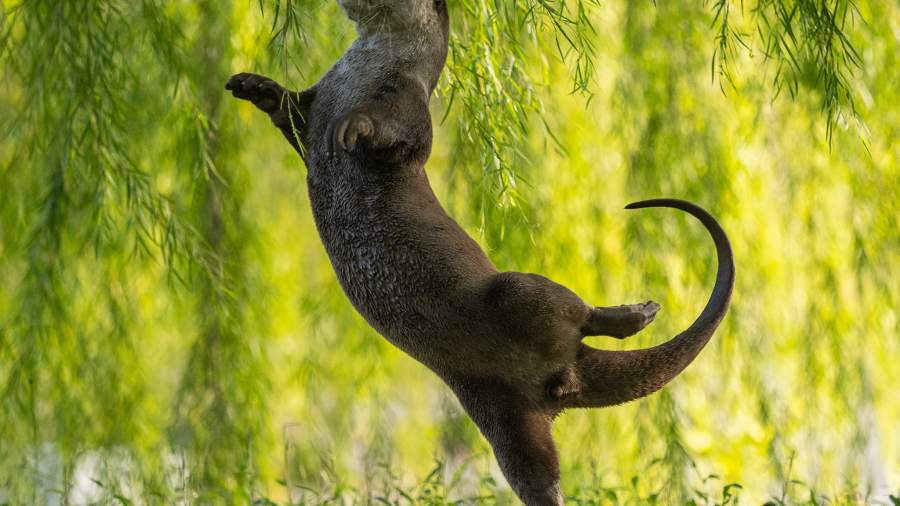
(620, 321)
(634, 318)
(265, 93)
(644, 313)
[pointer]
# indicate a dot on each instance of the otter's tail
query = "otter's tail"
(614, 377)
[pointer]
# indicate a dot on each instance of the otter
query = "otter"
(508, 344)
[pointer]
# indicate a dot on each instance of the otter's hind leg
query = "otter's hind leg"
(519, 433)
(619, 321)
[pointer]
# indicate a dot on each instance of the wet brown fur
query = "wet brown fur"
(508, 344)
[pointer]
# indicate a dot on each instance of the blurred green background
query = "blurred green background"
(171, 330)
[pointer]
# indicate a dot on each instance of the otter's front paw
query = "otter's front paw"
(344, 132)
(262, 91)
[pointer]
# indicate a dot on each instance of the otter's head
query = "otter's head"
(398, 17)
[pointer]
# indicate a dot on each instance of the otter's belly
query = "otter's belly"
(409, 270)
(400, 285)
(386, 278)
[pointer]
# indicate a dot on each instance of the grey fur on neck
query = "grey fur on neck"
(418, 55)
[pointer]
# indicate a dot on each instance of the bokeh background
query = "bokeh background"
(171, 330)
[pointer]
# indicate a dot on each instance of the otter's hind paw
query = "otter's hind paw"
(620, 321)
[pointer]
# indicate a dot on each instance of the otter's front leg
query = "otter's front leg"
(288, 110)
(382, 127)
(390, 134)
(344, 132)
(395, 126)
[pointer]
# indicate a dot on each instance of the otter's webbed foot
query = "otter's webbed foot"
(346, 131)
(619, 321)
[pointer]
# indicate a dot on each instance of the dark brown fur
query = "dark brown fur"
(508, 344)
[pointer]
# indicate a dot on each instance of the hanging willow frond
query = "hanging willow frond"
(808, 42)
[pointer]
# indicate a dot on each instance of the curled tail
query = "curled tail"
(614, 377)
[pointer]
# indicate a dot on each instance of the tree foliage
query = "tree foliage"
(170, 327)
